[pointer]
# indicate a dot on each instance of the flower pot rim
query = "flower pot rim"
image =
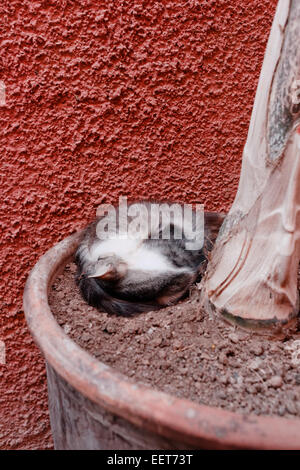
(181, 420)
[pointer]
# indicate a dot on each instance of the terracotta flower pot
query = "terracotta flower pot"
(92, 406)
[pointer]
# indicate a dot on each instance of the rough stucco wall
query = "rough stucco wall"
(108, 98)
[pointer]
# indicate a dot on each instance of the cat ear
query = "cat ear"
(103, 272)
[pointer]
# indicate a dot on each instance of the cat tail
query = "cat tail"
(96, 296)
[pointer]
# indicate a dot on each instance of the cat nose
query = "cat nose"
(82, 276)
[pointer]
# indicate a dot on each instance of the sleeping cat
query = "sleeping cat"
(131, 271)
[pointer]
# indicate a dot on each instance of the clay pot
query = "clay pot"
(92, 406)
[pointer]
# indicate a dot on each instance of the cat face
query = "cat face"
(108, 268)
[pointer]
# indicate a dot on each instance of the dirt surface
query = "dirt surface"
(182, 351)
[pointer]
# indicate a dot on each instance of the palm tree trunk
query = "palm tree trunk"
(252, 276)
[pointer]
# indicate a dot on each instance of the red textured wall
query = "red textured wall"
(108, 98)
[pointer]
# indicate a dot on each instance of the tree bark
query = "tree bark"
(252, 276)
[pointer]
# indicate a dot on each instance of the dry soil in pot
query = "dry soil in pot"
(182, 351)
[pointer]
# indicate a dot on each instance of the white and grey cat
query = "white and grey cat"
(127, 275)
